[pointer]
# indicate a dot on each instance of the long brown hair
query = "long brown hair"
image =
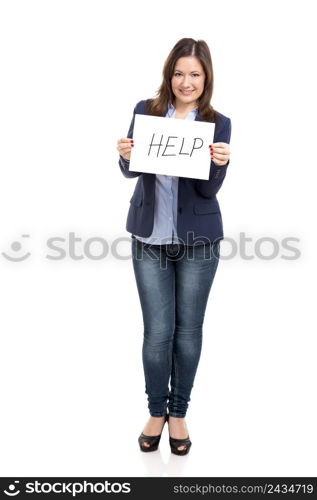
(164, 95)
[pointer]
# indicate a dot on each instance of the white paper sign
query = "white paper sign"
(171, 146)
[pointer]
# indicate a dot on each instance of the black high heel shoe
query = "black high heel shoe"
(153, 441)
(175, 443)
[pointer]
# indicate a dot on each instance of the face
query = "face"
(188, 81)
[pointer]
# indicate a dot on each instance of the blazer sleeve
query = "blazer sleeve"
(123, 163)
(209, 188)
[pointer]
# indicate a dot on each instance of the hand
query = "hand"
(219, 153)
(124, 147)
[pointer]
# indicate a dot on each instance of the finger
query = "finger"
(124, 144)
(219, 161)
(220, 156)
(125, 140)
(220, 150)
(124, 149)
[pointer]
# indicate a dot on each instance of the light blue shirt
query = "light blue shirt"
(166, 196)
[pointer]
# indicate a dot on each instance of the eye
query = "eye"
(196, 74)
(177, 73)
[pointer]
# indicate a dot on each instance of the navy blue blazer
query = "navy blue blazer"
(198, 212)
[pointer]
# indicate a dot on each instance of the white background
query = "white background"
(72, 389)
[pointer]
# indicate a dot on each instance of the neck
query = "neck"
(182, 107)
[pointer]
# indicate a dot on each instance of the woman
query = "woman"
(176, 228)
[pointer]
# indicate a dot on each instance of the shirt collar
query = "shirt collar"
(171, 109)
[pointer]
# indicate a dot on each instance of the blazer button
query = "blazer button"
(180, 210)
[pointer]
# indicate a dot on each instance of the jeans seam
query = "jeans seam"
(175, 382)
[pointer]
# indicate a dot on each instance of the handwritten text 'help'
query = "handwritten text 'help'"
(197, 143)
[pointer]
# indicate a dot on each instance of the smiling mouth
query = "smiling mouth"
(186, 92)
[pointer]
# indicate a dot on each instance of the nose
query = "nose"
(186, 82)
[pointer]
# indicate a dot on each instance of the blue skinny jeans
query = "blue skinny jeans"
(173, 282)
